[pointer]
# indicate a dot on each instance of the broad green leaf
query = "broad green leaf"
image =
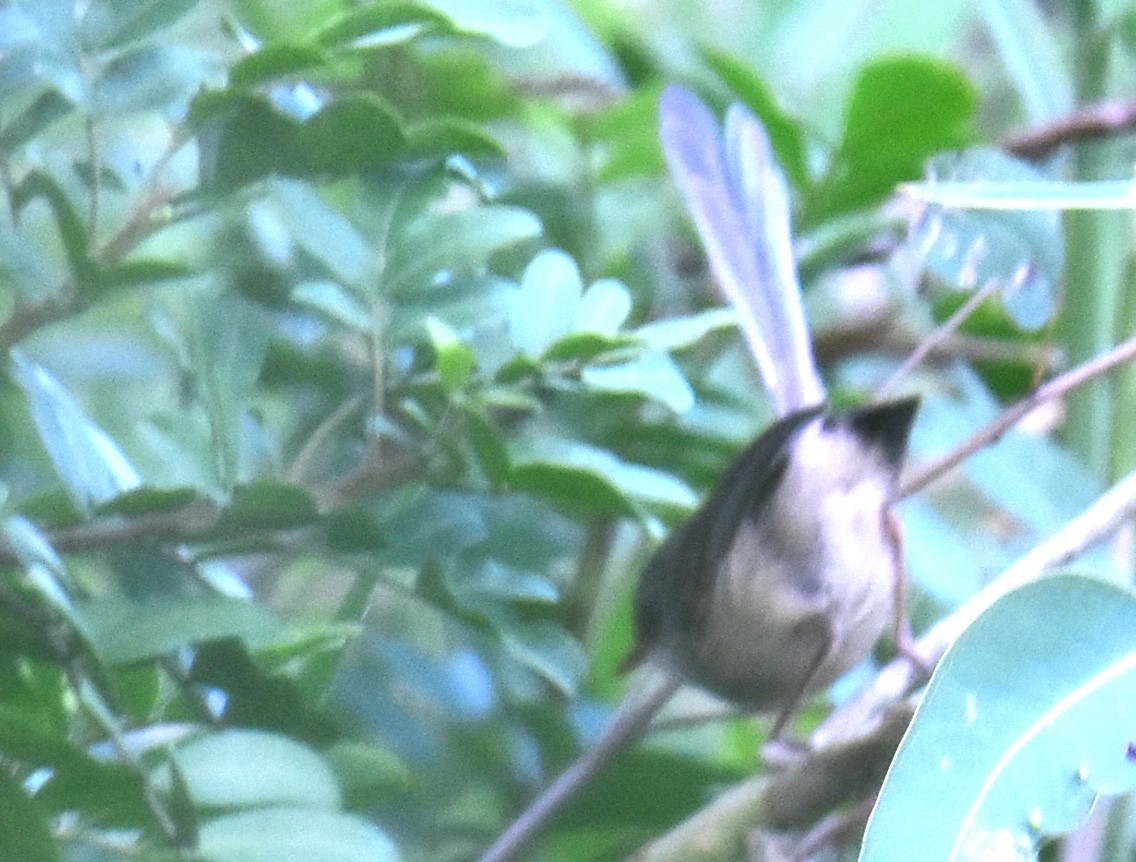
(324, 232)
(968, 247)
(122, 631)
(24, 831)
(542, 310)
(368, 773)
(268, 505)
(148, 501)
(446, 136)
(453, 360)
(285, 20)
(90, 464)
(902, 111)
(275, 60)
(349, 135)
(1028, 716)
(577, 489)
(240, 768)
(586, 478)
(681, 332)
(276, 834)
(651, 374)
(488, 443)
(603, 308)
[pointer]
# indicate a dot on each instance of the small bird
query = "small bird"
(786, 575)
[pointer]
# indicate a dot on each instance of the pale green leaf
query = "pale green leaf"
(1028, 716)
(241, 768)
(291, 833)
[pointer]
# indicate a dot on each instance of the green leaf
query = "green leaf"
(272, 61)
(113, 23)
(967, 248)
(588, 479)
(142, 271)
(336, 303)
(228, 340)
(148, 501)
(92, 467)
(72, 230)
(267, 505)
(30, 122)
(578, 489)
(603, 308)
(368, 773)
(902, 110)
(785, 131)
(1028, 716)
(681, 332)
(243, 138)
(547, 649)
(24, 831)
(379, 25)
(122, 631)
(543, 309)
(351, 134)
(326, 234)
(628, 130)
(453, 360)
(275, 834)
(446, 136)
(651, 374)
(240, 768)
(488, 443)
(448, 243)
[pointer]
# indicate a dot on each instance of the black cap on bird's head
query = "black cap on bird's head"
(884, 426)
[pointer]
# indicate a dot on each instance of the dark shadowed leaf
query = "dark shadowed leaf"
(24, 830)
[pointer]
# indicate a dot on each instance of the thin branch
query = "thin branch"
(1089, 123)
(991, 433)
(938, 337)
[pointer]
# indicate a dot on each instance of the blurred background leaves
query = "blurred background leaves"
(357, 353)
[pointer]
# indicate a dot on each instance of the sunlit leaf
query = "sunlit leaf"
(240, 768)
(651, 374)
(543, 309)
(274, 834)
(90, 464)
(1028, 716)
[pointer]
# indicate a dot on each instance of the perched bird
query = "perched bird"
(786, 575)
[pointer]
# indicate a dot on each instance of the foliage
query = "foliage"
(356, 353)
